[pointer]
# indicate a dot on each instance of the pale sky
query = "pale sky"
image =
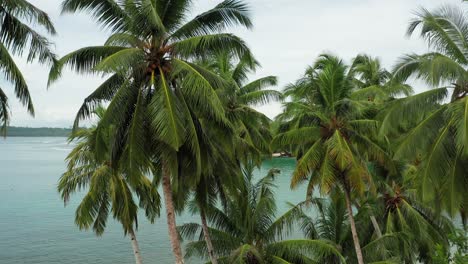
(287, 36)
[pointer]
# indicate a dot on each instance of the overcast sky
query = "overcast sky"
(287, 36)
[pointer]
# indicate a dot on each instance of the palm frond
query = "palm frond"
(309, 162)
(316, 248)
(173, 13)
(445, 29)
(261, 97)
(17, 36)
(200, 46)
(421, 135)
(301, 135)
(24, 10)
(121, 61)
(104, 92)
(224, 15)
(198, 86)
(137, 153)
(434, 68)
(458, 112)
(259, 84)
(403, 109)
(124, 40)
(165, 115)
(83, 60)
(13, 74)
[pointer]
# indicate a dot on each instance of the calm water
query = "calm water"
(35, 227)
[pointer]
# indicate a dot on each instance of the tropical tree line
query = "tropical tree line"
(174, 124)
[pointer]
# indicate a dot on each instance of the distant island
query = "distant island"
(37, 132)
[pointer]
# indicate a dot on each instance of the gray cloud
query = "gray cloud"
(288, 35)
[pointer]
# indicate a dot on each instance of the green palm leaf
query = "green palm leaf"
(104, 92)
(164, 114)
(227, 13)
(13, 74)
(108, 12)
(200, 46)
(319, 248)
(83, 60)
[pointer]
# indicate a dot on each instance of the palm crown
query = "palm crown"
(373, 82)
(149, 56)
(329, 127)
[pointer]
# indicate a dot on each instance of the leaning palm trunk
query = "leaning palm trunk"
(357, 246)
(136, 248)
(170, 214)
(206, 234)
(376, 226)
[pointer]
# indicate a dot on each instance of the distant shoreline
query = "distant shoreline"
(13, 131)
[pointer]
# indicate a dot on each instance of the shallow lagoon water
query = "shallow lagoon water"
(35, 227)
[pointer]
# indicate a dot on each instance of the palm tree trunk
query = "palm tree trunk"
(209, 244)
(376, 226)
(357, 246)
(170, 214)
(136, 248)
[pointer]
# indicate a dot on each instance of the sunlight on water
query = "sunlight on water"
(36, 228)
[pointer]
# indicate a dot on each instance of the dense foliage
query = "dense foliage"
(246, 230)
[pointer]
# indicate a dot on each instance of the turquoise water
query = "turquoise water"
(35, 227)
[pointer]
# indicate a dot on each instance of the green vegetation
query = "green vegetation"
(37, 132)
(16, 39)
(385, 169)
(246, 229)
(109, 189)
(161, 102)
(339, 134)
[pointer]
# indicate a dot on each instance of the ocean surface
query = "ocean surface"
(35, 227)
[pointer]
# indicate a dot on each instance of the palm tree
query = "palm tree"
(418, 229)
(250, 139)
(374, 82)
(246, 231)
(108, 188)
(16, 36)
(329, 222)
(210, 191)
(155, 90)
(413, 228)
(331, 134)
(218, 176)
(253, 134)
(432, 133)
